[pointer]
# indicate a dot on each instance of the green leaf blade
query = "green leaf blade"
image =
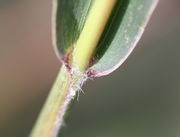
(69, 17)
(125, 38)
(120, 36)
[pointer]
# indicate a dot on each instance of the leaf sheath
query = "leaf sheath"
(52, 114)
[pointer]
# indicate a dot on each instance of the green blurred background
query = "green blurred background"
(140, 99)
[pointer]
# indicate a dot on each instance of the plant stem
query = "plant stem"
(68, 83)
(91, 33)
(51, 117)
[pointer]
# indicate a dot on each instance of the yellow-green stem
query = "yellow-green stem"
(67, 84)
(91, 33)
(51, 117)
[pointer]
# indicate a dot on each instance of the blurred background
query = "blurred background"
(140, 99)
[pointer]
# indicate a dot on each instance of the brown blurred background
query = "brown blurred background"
(140, 99)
